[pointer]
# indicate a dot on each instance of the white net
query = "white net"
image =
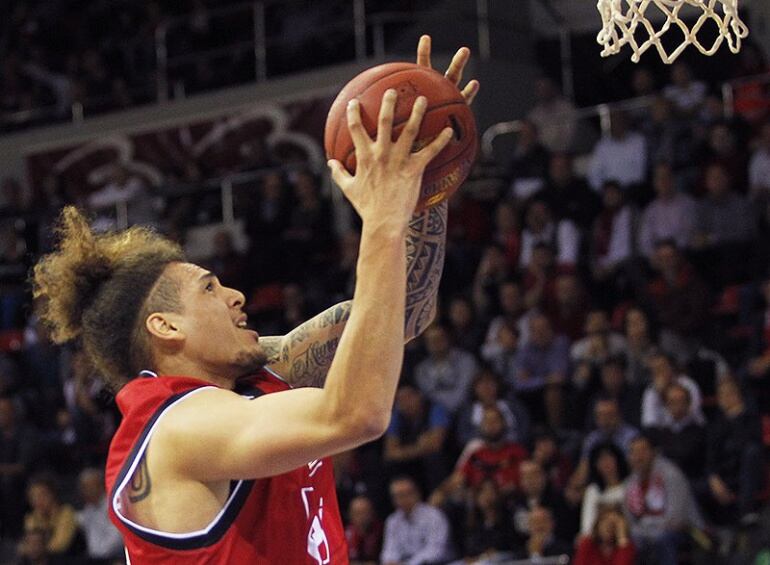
(629, 22)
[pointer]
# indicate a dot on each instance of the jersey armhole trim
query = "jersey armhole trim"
(204, 537)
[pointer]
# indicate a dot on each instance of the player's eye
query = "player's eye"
(210, 287)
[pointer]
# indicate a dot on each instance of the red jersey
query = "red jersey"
(291, 519)
(499, 463)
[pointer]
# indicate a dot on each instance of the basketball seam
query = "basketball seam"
(375, 81)
(398, 123)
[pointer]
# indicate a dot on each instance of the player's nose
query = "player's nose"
(235, 298)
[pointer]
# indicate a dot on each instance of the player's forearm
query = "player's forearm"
(362, 378)
(425, 250)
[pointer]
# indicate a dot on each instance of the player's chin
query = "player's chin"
(251, 359)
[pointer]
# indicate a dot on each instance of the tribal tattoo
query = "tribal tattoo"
(303, 356)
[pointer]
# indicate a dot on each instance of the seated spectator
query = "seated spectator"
(547, 453)
(33, 550)
(49, 514)
(487, 393)
(620, 156)
(487, 529)
(610, 428)
(445, 376)
(18, 446)
(536, 493)
(686, 93)
(507, 232)
(551, 116)
(415, 437)
(614, 384)
(541, 372)
(510, 310)
(607, 543)
(540, 226)
(678, 298)
(669, 137)
(612, 236)
(724, 147)
(671, 216)
(465, 330)
(501, 348)
(363, 532)
(492, 276)
(415, 533)
(539, 278)
(640, 344)
(492, 457)
(568, 196)
(606, 487)
(665, 373)
(569, 308)
(529, 162)
(681, 438)
(659, 505)
(599, 344)
(734, 459)
(723, 216)
(542, 540)
(103, 540)
(725, 225)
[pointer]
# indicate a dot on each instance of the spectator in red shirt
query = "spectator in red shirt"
(363, 532)
(494, 458)
(608, 544)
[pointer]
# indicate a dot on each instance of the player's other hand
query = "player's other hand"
(455, 71)
(385, 189)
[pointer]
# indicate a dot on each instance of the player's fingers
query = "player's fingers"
(470, 91)
(361, 139)
(412, 127)
(423, 51)
(340, 175)
(427, 153)
(385, 120)
(455, 71)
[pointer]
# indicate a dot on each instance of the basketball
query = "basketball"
(446, 107)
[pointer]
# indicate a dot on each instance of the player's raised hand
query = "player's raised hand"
(386, 186)
(455, 71)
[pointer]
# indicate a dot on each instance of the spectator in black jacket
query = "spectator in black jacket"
(681, 438)
(734, 463)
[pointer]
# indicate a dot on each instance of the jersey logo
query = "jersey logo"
(317, 542)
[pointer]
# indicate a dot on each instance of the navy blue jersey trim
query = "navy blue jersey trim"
(234, 504)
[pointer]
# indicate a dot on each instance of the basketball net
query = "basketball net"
(624, 23)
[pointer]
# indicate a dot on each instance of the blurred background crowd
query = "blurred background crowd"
(596, 383)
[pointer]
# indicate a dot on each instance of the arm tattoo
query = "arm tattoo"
(425, 249)
(305, 355)
(140, 485)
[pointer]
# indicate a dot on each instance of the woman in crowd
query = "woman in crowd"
(608, 470)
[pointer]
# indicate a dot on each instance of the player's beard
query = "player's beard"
(251, 361)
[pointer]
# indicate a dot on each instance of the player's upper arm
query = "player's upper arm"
(217, 434)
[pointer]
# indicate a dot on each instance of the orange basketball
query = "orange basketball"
(446, 107)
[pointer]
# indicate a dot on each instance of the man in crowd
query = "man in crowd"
(659, 505)
(416, 533)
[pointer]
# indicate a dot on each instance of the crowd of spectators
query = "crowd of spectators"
(103, 55)
(596, 382)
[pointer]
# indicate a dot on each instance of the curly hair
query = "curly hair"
(97, 289)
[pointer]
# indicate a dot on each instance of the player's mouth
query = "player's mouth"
(242, 324)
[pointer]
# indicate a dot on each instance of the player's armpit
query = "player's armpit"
(217, 434)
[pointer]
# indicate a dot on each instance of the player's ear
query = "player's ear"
(165, 326)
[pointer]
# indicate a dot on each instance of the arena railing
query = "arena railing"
(603, 112)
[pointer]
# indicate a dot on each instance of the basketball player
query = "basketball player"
(208, 465)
